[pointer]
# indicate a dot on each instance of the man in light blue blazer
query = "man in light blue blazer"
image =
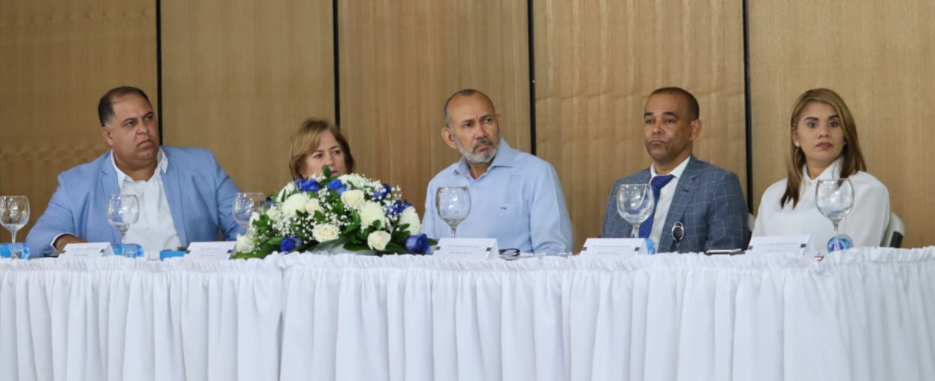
(706, 201)
(184, 194)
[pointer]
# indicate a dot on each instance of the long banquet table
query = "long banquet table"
(867, 314)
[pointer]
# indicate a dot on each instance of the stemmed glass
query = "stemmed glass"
(635, 204)
(835, 198)
(245, 204)
(14, 213)
(123, 210)
(453, 205)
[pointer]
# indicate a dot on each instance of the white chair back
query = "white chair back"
(895, 231)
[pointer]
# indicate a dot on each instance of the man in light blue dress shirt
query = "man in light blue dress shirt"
(516, 197)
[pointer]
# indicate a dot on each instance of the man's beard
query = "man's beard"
(470, 156)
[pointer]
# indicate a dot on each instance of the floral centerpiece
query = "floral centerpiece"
(350, 212)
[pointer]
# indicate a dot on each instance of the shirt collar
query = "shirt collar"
(121, 177)
(677, 172)
(506, 157)
(832, 172)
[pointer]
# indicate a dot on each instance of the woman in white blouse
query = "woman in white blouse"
(823, 145)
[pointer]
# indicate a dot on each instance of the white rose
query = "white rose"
(295, 204)
(274, 214)
(289, 188)
(409, 216)
(348, 179)
(253, 217)
(370, 213)
(356, 180)
(312, 206)
(244, 243)
(353, 199)
(378, 240)
(325, 233)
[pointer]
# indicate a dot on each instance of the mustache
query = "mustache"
(481, 141)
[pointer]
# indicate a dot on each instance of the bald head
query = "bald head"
(465, 93)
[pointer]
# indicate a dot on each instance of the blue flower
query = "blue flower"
(288, 244)
(380, 193)
(397, 208)
(417, 244)
(337, 186)
(310, 185)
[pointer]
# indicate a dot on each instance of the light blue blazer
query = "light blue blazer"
(199, 192)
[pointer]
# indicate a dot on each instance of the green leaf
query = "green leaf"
(249, 255)
(356, 247)
(352, 227)
(393, 248)
(326, 171)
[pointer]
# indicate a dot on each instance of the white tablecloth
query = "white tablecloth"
(122, 319)
(865, 315)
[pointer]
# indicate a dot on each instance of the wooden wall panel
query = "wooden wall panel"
(596, 62)
(879, 57)
(56, 60)
(399, 62)
(240, 76)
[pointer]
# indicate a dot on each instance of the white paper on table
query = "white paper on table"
(614, 246)
(212, 251)
(800, 244)
(467, 248)
(88, 250)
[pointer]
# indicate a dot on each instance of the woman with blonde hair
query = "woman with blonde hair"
(316, 144)
(823, 145)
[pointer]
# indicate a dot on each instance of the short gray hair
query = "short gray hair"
(463, 93)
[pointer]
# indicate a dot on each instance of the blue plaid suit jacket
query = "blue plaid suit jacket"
(708, 201)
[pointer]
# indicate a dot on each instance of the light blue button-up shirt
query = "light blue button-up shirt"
(518, 201)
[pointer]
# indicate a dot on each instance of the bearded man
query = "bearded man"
(515, 197)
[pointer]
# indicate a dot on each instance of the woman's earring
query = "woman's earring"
(796, 144)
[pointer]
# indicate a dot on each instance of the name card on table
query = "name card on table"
(799, 244)
(212, 251)
(88, 250)
(467, 248)
(626, 247)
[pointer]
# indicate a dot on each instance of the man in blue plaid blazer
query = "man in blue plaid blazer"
(706, 200)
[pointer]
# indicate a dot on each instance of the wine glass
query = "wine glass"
(635, 204)
(14, 213)
(247, 203)
(453, 205)
(123, 210)
(834, 199)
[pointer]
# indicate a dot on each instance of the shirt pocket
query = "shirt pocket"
(511, 221)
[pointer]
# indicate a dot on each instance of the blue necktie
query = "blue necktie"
(657, 183)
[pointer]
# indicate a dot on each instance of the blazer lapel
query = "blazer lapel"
(680, 200)
(110, 186)
(170, 181)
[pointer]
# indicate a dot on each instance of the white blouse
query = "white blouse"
(865, 224)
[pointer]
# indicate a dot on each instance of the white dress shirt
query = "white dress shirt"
(665, 198)
(155, 229)
(865, 223)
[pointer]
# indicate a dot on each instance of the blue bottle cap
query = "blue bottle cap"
(844, 243)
